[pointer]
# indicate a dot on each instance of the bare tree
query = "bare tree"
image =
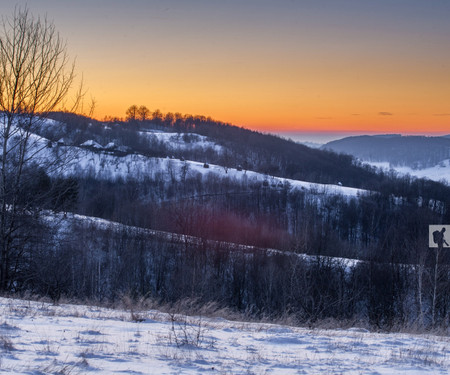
(36, 76)
(132, 113)
(143, 113)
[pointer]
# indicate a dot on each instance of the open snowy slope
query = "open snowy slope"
(40, 338)
(106, 166)
(437, 173)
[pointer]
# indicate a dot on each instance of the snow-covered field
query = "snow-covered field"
(40, 338)
(436, 173)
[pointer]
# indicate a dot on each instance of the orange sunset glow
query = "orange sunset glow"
(269, 65)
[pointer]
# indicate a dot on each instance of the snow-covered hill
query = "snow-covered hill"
(440, 172)
(40, 338)
(418, 152)
(182, 141)
(107, 166)
(100, 161)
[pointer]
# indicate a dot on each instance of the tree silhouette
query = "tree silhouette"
(143, 113)
(132, 113)
(35, 78)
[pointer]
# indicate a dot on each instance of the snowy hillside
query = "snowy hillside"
(182, 141)
(100, 161)
(106, 166)
(62, 224)
(437, 173)
(38, 338)
(418, 152)
(95, 160)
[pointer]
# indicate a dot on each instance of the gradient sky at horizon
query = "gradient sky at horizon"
(272, 65)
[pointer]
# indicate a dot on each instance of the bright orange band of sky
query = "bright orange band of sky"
(323, 65)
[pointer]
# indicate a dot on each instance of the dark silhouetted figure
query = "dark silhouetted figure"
(438, 238)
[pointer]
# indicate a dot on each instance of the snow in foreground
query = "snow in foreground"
(39, 338)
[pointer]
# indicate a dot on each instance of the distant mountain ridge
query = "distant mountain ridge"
(417, 152)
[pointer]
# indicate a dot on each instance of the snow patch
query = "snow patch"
(91, 143)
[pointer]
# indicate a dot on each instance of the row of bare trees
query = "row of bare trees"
(141, 113)
(174, 121)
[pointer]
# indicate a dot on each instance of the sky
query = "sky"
(310, 66)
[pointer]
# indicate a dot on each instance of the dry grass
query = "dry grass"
(6, 344)
(145, 307)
